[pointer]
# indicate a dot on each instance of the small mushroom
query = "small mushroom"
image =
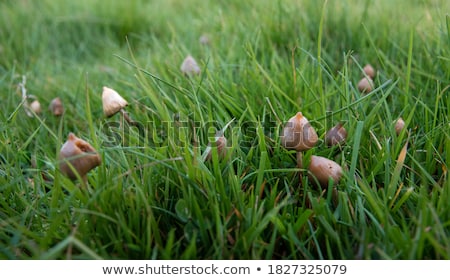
(221, 144)
(336, 135)
(365, 85)
(298, 134)
(321, 170)
(113, 102)
(35, 106)
(56, 107)
(399, 125)
(77, 157)
(189, 66)
(369, 71)
(204, 39)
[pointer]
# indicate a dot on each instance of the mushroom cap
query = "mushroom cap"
(204, 39)
(35, 106)
(112, 101)
(221, 144)
(321, 170)
(298, 134)
(365, 85)
(77, 155)
(190, 66)
(336, 135)
(56, 106)
(369, 71)
(399, 125)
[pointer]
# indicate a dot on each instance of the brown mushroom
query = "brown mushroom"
(336, 135)
(321, 170)
(365, 85)
(113, 103)
(298, 134)
(399, 125)
(221, 143)
(77, 157)
(369, 71)
(56, 107)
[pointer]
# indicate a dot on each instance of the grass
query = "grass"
(154, 197)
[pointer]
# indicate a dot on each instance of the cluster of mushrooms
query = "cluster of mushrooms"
(56, 106)
(366, 85)
(77, 157)
(299, 135)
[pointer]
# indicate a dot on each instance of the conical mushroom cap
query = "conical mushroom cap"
(112, 101)
(56, 106)
(35, 106)
(370, 71)
(399, 125)
(77, 156)
(336, 135)
(365, 85)
(190, 66)
(221, 144)
(298, 134)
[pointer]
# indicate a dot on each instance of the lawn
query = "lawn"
(158, 192)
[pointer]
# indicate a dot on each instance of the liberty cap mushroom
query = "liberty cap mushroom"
(370, 71)
(77, 157)
(220, 142)
(56, 107)
(336, 135)
(204, 39)
(399, 125)
(321, 170)
(113, 102)
(190, 66)
(365, 85)
(298, 134)
(35, 106)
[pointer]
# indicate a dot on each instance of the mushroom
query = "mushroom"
(369, 71)
(336, 135)
(77, 157)
(321, 170)
(204, 39)
(189, 66)
(221, 143)
(113, 103)
(399, 125)
(56, 107)
(298, 134)
(35, 106)
(365, 85)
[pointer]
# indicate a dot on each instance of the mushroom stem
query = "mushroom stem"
(127, 117)
(300, 159)
(84, 181)
(300, 165)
